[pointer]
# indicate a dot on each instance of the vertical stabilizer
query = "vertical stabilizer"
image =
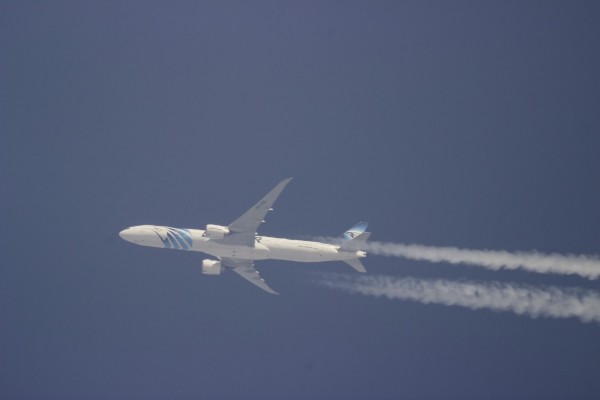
(355, 231)
(352, 240)
(358, 243)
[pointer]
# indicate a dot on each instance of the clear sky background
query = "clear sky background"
(469, 124)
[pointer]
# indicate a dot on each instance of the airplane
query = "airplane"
(237, 245)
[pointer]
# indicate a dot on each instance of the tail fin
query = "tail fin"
(353, 240)
(356, 264)
(355, 231)
(357, 243)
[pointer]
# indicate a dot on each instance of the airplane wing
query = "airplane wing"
(243, 229)
(245, 268)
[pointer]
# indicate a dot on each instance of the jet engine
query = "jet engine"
(216, 231)
(211, 267)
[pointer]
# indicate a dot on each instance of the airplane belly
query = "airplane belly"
(301, 253)
(221, 250)
(270, 248)
(259, 252)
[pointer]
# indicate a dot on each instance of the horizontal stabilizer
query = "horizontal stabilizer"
(356, 264)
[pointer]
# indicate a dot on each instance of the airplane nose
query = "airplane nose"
(125, 234)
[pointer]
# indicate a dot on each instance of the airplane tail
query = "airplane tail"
(358, 243)
(354, 239)
(355, 231)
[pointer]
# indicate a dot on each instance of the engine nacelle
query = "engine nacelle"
(211, 267)
(216, 231)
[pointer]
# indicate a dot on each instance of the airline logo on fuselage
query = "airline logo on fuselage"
(175, 238)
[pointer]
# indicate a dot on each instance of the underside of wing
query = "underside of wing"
(243, 229)
(245, 269)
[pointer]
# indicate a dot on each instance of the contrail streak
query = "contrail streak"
(526, 300)
(587, 266)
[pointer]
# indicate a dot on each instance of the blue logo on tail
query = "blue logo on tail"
(355, 230)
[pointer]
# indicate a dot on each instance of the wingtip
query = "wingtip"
(283, 183)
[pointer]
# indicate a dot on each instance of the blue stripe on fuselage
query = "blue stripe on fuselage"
(179, 239)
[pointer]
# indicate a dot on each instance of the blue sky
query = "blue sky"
(462, 124)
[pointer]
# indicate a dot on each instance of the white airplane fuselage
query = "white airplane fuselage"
(237, 245)
(265, 247)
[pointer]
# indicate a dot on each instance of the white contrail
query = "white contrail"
(587, 266)
(520, 299)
